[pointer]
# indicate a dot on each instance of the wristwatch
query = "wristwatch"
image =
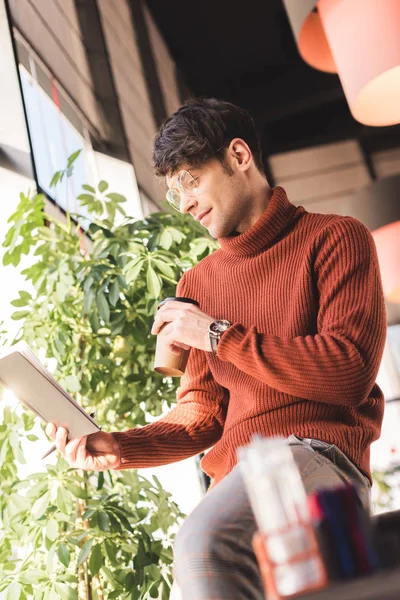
(216, 329)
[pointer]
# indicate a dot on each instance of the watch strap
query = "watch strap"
(215, 336)
(214, 339)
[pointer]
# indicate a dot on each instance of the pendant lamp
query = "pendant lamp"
(309, 34)
(387, 241)
(360, 40)
(378, 207)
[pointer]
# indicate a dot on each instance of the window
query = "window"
(54, 139)
(58, 129)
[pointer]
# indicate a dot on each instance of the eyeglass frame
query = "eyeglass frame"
(176, 189)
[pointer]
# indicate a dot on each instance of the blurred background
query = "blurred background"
(102, 76)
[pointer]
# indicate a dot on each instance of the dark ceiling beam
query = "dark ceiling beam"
(294, 92)
(326, 124)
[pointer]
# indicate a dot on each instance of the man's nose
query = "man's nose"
(187, 203)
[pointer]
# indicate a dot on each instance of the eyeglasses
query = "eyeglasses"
(186, 184)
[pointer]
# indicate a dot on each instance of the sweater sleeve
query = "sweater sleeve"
(193, 425)
(339, 364)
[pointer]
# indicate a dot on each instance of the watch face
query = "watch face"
(219, 326)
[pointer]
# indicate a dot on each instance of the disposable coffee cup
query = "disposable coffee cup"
(166, 362)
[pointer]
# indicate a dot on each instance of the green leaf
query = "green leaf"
(199, 246)
(103, 521)
(62, 500)
(114, 292)
(73, 157)
(165, 269)
(103, 186)
(64, 554)
(100, 480)
(55, 179)
(51, 594)
(88, 301)
(20, 302)
(62, 289)
(8, 238)
(102, 306)
(52, 530)
(166, 239)
(72, 383)
(65, 591)
(116, 197)
(76, 490)
(84, 553)
(153, 282)
(96, 560)
(111, 551)
(14, 591)
(133, 272)
(32, 437)
(88, 188)
(94, 322)
(85, 198)
(20, 314)
(34, 576)
(88, 513)
(40, 506)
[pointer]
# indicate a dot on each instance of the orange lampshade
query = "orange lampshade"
(387, 241)
(364, 37)
(309, 33)
(313, 45)
(360, 40)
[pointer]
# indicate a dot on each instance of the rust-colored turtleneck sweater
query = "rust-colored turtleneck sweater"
(303, 294)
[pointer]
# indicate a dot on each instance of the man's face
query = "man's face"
(221, 199)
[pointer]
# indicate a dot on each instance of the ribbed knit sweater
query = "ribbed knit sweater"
(303, 294)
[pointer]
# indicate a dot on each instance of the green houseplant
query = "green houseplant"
(89, 304)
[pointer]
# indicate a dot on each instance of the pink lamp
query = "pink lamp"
(387, 241)
(309, 33)
(313, 45)
(364, 37)
(360, 40)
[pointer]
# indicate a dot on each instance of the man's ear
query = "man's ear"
(239, 154)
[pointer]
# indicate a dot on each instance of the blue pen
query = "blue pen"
(333, 510)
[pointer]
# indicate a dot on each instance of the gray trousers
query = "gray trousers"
(214, 559)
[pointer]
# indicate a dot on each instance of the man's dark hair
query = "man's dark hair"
(199, 131)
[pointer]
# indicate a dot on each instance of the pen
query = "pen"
(54, 447)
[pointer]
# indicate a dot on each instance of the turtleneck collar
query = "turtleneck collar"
(276, 216)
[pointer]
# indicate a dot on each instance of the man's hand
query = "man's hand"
(187, 326)
(95, 452)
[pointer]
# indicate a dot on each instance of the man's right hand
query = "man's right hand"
(95, 452)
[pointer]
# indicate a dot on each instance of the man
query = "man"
(287, 341)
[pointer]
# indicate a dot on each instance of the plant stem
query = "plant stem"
(97, 585)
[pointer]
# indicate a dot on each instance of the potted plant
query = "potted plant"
(89, 303)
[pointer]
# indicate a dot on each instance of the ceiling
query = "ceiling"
(245, 52)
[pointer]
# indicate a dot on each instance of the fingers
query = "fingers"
(75, 451)
(61, 440)
(168, 337)
(159, 323)
(51, 430)
(169, 312)
(81, 454)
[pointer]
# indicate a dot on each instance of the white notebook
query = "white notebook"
(34, 386)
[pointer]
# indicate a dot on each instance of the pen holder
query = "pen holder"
(286, 571)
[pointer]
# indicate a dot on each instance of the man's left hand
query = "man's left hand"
(186, 326)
